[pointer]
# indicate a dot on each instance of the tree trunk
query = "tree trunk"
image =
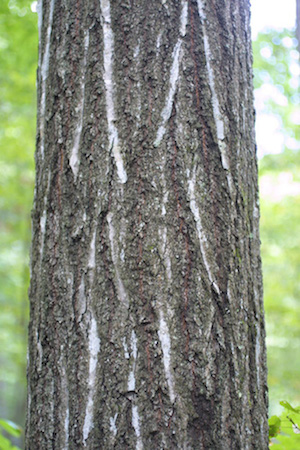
(147, 324)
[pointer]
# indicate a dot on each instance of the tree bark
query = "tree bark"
(147, 324)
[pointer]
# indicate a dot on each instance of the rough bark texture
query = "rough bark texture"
(147, 323)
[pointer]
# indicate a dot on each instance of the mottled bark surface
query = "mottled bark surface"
(147, 324)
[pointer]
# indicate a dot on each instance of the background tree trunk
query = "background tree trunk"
(147, 324)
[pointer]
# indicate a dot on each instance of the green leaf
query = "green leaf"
(10, 427)
(288, 438)
(289, 407)
(4, 443)
(274, 426)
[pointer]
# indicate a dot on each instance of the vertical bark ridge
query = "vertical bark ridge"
(108, 52)
(44, 57)
(174, 74)
(74, 162)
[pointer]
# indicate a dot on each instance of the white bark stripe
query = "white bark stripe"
(131, 377)
(108, 53)
(200, 232)
(183, 18)
(92, 255)
(43, 220)
(174, 75)
(220, 126)
(67, 418)
(74, 159)
(113, 427)
(65, 387)
(136, 426)
(165, 341)
(39, 351)
(166, 253)
(166, 112)
(131, 388)
(94, 348)
(44, 70)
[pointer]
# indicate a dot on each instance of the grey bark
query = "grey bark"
(147, 324)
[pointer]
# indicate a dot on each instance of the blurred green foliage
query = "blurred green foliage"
(284, 431)
(280, 234)
(276, 75)
(276, 64)
(10, 429)
(275, 57)
(18, 61)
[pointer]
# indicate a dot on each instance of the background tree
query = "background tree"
(146, 324)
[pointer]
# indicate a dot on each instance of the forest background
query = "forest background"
(277, 98)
